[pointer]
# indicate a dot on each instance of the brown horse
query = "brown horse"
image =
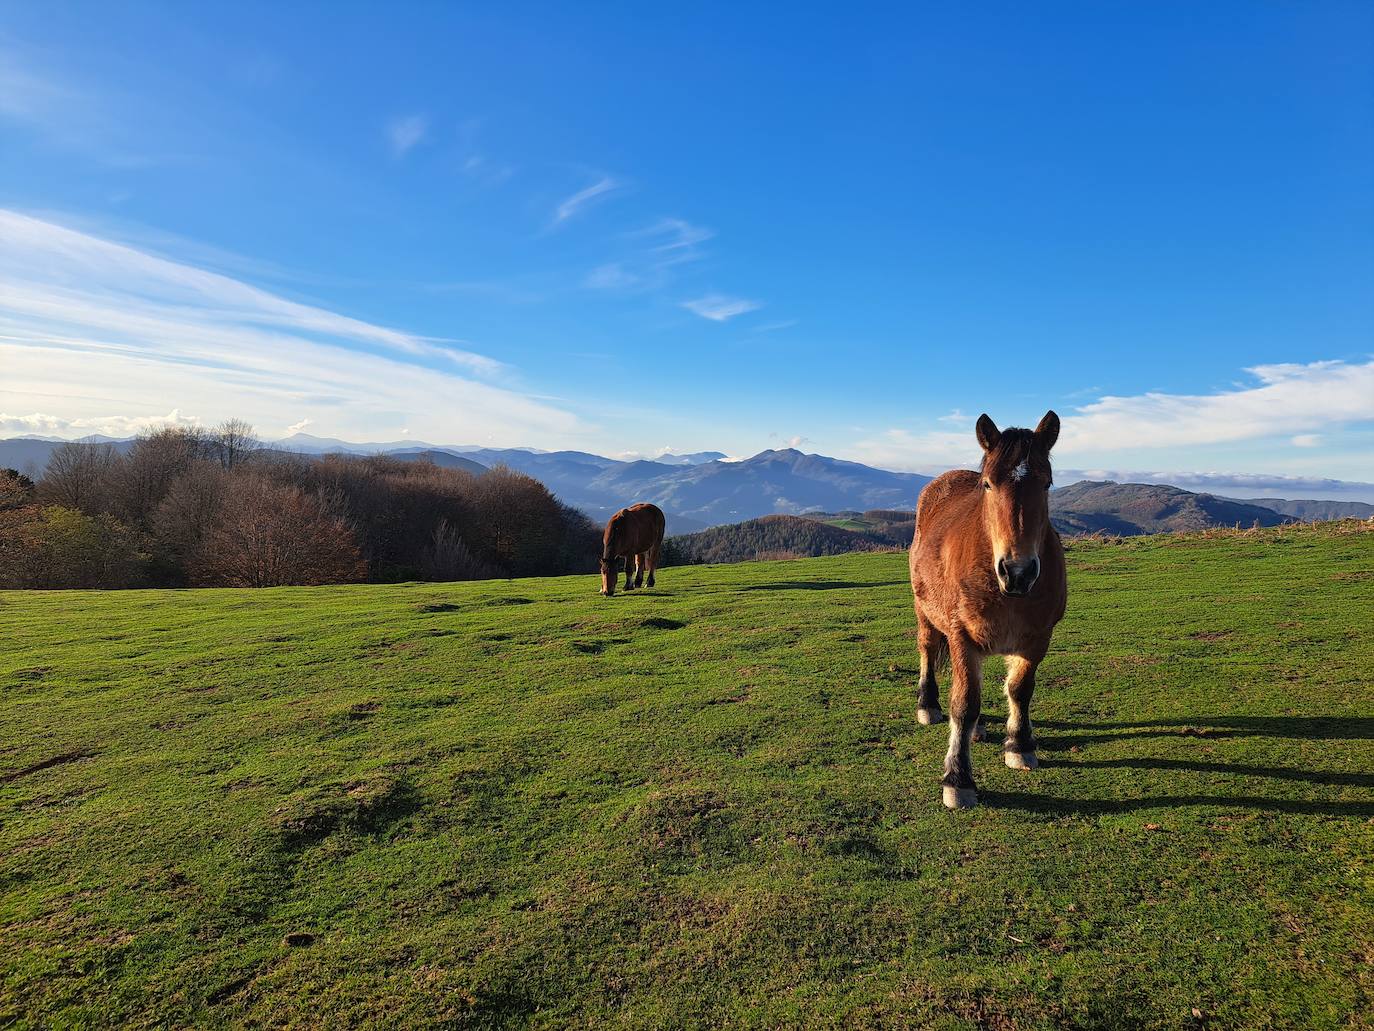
(636, 533)
(987, 572)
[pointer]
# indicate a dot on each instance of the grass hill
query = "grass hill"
(521, 803)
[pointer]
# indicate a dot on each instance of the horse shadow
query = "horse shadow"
(1314, 728)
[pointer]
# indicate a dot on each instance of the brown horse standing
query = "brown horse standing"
(637, 533)
(987, 571)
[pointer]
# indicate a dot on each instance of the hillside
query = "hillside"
(1312, 511)
(507, 803)
(776, 536)
(1138, 508)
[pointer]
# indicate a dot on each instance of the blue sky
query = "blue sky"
(625, 229)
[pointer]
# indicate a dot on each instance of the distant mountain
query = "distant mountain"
(30, 454)
(695, 458)
(1129, 509)
(1313, 511)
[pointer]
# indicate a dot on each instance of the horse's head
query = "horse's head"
(1016, 481)
(608, 575)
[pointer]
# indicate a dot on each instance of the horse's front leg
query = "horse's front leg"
(965, 709)
(1019, 749)
(630, 572)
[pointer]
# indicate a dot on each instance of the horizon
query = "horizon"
(1219, 484)
(631, 237)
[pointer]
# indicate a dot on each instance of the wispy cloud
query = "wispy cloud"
(674, 240)
(583, 198)
(406, 132)
(652, 255)
(612, 276)
(89, 327)
(720, 308)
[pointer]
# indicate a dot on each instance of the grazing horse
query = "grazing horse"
(987, 572)
(637, 533)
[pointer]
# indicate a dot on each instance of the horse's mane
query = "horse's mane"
(1014, 447)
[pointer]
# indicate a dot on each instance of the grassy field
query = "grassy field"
(521, 803)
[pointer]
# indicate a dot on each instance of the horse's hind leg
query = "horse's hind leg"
(934, 651)
(630, 572)
(641, 564)
(1019, 749)
(965, 709)
(654, 554)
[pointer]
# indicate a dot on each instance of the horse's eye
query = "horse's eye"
(986, 485)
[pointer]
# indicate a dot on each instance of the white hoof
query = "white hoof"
(1020, 760)
(960, 798)
(929, 717)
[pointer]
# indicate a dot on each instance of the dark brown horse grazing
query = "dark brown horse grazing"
(987, 570)
(636, 533)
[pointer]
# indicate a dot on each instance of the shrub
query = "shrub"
(61, 547)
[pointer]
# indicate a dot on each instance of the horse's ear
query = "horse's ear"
(988, 433)
(1047, 432)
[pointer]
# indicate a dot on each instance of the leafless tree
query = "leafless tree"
(269, 534)
(157, 459)
(234, 443)
(186, 515)
(81, 475)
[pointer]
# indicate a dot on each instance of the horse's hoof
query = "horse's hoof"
(1020, 760)
(960, 798)
(980, 732)
(929, 717)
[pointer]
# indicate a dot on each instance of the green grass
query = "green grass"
(522, 803)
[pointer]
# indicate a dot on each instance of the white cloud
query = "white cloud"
(1307, 440)
(719, 307)
(89, 327)
(39, 424)
(1290, 398)
(570, 207)
(404, 133)
(299, 427)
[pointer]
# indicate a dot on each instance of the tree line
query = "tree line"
(192, 507)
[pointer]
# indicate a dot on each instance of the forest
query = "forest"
(191, 507)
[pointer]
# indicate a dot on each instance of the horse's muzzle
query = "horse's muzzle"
(1017, 578)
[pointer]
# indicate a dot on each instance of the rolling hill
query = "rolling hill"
(503, 804)
(1138, 508)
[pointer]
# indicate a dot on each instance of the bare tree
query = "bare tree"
(157, 459)
(81, 475)
(234, 442)
(270, 534)
(186, 515)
